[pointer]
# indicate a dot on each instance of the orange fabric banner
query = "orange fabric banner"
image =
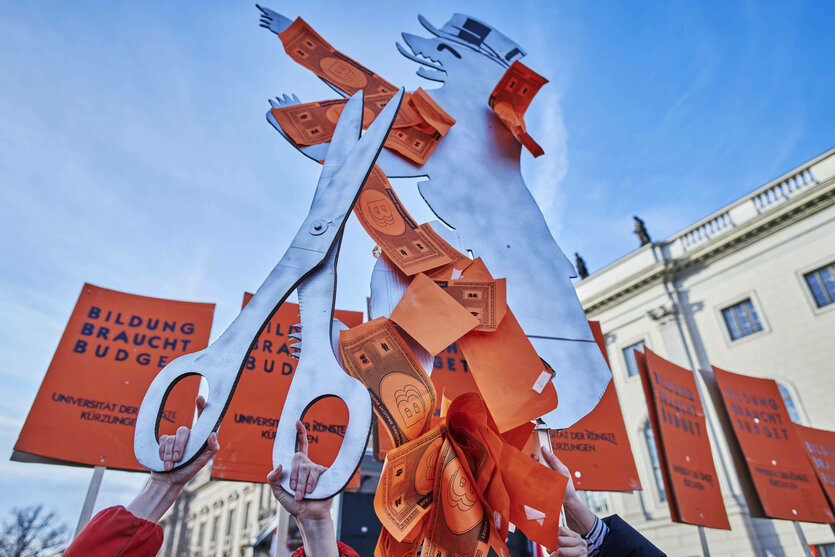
(783, 478)
(248, 430)
(820, 448)
(112, 348)
(596, 449)
(681, 438)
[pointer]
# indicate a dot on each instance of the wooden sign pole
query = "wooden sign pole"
(544, 440)
(703, 540)
(281, 530)
(90, 500)
(806, 549)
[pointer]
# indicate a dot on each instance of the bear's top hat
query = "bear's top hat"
(479, 36)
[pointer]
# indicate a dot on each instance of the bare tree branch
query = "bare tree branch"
(31, 532)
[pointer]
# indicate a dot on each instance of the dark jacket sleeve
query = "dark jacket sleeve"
(344, 551)
(624, 541)
(116, 532)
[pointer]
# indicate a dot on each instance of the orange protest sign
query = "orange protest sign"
(112, 348)
(431, 316)
(248, 431)
(784, 481)
(681, 438)
(596, 449)
(820, 448)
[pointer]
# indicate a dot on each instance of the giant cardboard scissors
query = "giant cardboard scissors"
(309, 264)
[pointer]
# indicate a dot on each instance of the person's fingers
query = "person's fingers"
(569, 546)
(162, 447)
(535, 457)
(167, 452)
(304, 472)
(555, 463)
(274, 477)
(298, 458)
(569, 541)
(313, 477)
(301, 437)
(180, 440)
(200, 402)
(212, 443)
(571, 552)
(212, 447)
(564, 531)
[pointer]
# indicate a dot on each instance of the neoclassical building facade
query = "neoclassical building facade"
(749, 288)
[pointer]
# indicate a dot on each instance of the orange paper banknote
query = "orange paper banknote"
(411, 247)
(431, 316)
(417, 141)
(458, 525)
(419, 126)
(404, 495)
(486, 300)
(388, 546)
(305, 46)
(401, 392)
(420, 122)
(510, 99)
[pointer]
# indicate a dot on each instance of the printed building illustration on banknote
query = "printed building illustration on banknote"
(471, 156)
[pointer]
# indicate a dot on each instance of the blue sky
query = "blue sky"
(134, 153)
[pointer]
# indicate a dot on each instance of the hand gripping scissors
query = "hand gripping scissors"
(309, 264)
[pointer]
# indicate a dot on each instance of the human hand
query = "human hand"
(304, 474)
(164, 487)
(172, 448)
(570, 544)
(578, 517)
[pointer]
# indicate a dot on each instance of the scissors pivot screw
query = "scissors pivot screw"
(318, 227)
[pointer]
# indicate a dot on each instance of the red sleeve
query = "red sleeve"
(116, 532)
(344, 551)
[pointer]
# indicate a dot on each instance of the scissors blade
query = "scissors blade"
(340, 193)
(345, 136)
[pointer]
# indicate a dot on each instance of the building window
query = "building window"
(230, 522)
(656, 465)
(741, 319)
(789, 402)
(629, 357)
(215, 528)
(201, 534)
(824, 550)
(597, 502)
(821, 284)
(246, 515)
